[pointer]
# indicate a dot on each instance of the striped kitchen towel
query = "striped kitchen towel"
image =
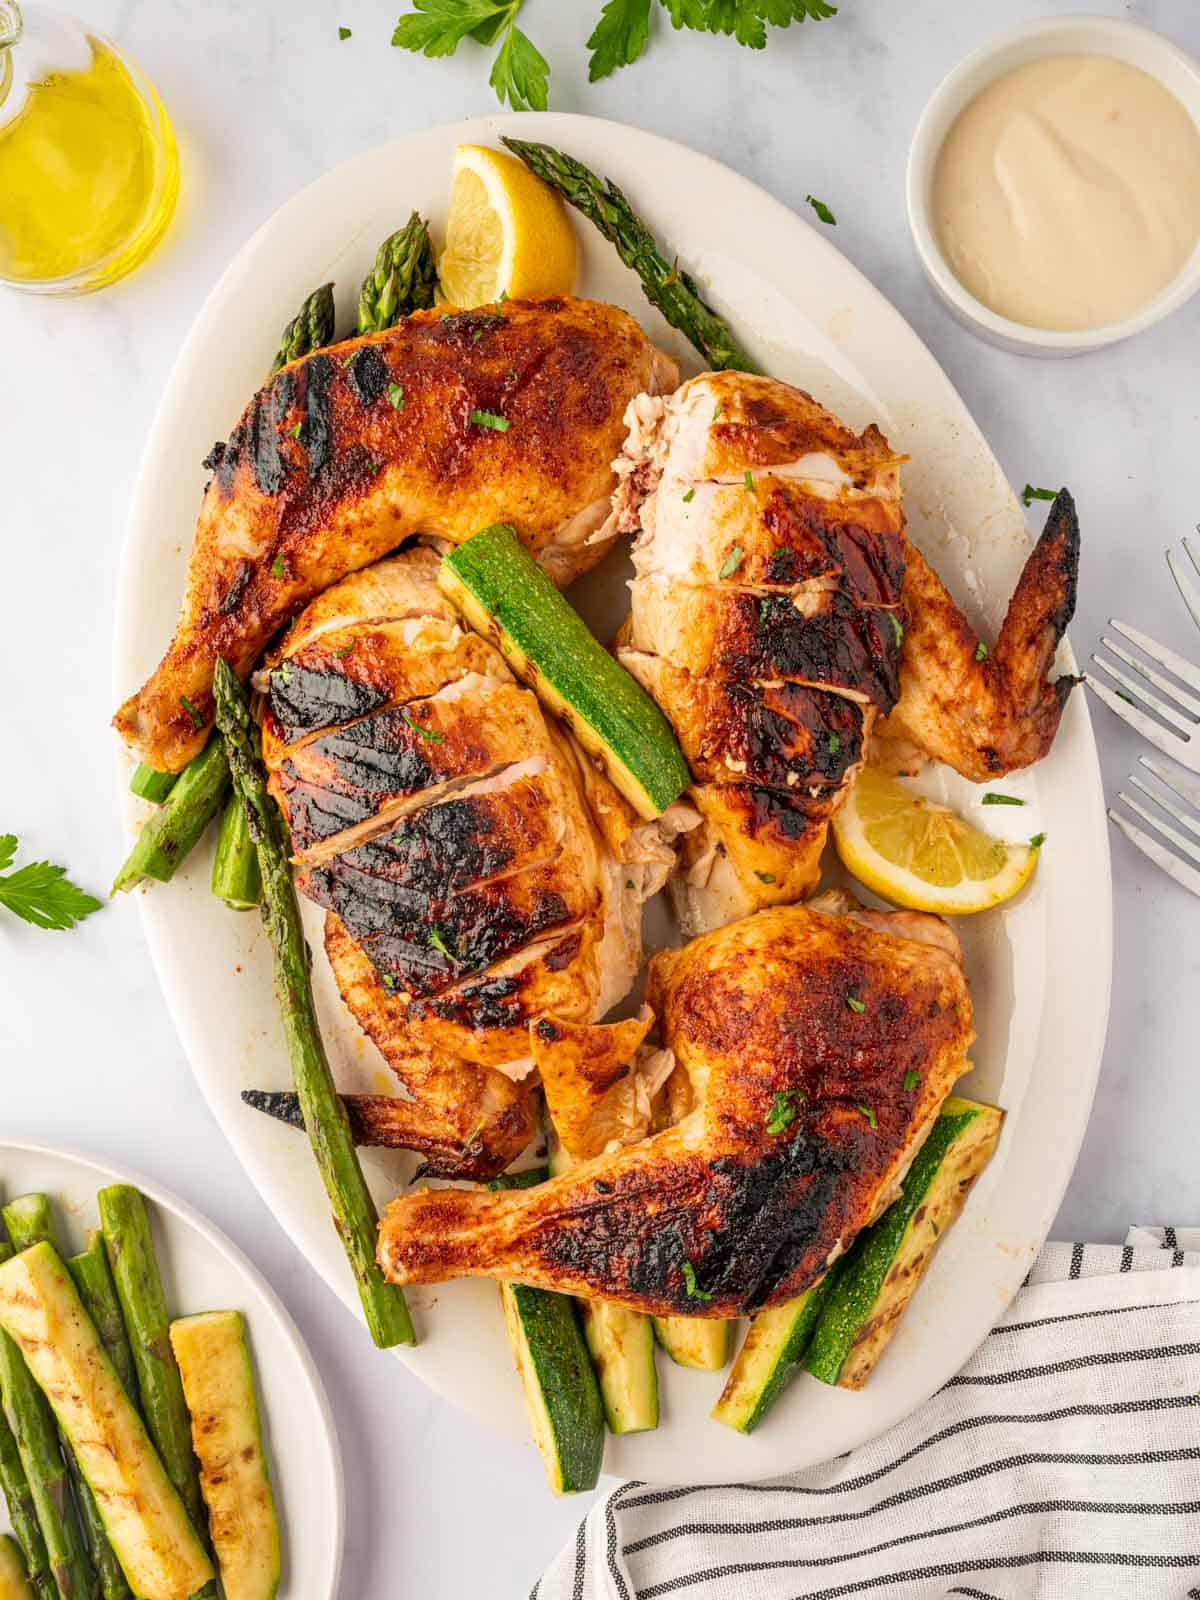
(1062, 1462)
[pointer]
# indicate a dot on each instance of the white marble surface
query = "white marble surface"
(265, 97)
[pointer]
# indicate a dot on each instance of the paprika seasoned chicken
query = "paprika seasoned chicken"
(441, 425)
(818, 1043)
(780, 615)
(445, 825)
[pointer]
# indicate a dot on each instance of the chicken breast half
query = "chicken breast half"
(444, 823)
(448, 422)
(807, 1112)
(779, 612)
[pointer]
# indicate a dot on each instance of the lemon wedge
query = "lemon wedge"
(922, 855)
(507, 232)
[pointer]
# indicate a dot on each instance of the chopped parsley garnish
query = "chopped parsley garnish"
(731, 562)
(717, 409)
(431, 734)
(629, 883)
(501, 298)
(1121, 695)
(389, 981)
(690, 495)
(294, 430)
(489, 419)
(764, 607)
(991, 798)
(40, 893)
(981, 651)
(911, 1080)
(869, 1114)
(936, 1230)
(1038, 840)
(835, 742)
(822, 210)
(748, 480)
(197, 719)
(765, 877)
(284, 672)
(395, 393)
(855, 1004)
(782, 1111)
(343, 33)
(1029, 494)
(438, 941)
(473, 1135)
(897, 628)
(346, 360)
(689, 1281)
(278, 569)
(344, 651)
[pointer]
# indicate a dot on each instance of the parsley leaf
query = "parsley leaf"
(1029, 494)
(343, 33)
(689, 496)
(395, 393)
(765, 877)
(619, 37)
(748, 480)
(689, 1282)
(782, 1111)
(438, 941)
(295, 428)
(40, 893)
(520, 73)
(869, 1114)
(197, 718)
(981, 651)
(731, 562)
(345, 650)
(991, 798)
(489, 419)
(823, 212)
(834, 740)
(278, 569)
(897, 628)
(855, 1003)
(911, 1080)
(431, 734)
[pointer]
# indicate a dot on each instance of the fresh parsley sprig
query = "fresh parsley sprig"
(41, 893)
(622, 33)
(520, 73)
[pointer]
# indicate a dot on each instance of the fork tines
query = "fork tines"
(1189, 591)
(1169, 700)
(1182, 804)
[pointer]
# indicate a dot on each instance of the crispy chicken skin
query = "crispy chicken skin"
(442, 822)
(346, 453)
(985, 715)
(781, 618)
(802, 1129)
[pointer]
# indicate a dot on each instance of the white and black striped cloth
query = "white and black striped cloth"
(1062, 1462)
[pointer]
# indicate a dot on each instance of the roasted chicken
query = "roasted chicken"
(444, 823)
(818, 1042)
(779, 613)
(446, 423)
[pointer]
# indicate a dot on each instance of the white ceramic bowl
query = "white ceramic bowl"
(1075, 35)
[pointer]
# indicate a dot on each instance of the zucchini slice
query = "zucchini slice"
(883, 1266)
(147, 1526)
(700, 1342)
(505, 595)
(770, 1357)
(621, 1345)
(218, 1385)
(14, 1583)
(561, 1396)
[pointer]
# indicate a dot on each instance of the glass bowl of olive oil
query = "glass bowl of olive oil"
(89, 172)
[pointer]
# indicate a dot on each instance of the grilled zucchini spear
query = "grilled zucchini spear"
(14, 1580)
(145, 1520)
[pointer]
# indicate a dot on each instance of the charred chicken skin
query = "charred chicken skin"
(441, 425)
(443, 824)
(779, 614)
(807, 1111)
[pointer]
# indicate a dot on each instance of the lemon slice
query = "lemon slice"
(922, 855)
(507, 232)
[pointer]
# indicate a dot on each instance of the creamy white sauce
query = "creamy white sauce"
(1067, 194)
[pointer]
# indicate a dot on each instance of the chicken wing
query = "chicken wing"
(819, 1043)
(446, 423)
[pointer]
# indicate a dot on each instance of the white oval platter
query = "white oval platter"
(204, 1271)
(1040, 967)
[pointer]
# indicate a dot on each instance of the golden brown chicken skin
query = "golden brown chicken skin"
(448, 422)
(818, 1047)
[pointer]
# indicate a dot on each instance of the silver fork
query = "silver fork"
(1180, 739)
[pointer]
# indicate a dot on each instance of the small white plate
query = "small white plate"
(203, 1271)
(1039, 967)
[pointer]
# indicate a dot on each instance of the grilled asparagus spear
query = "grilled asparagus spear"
(170, 833)
(403, 278)
(310, 329)
(235, 875)
(667, 286)
(22, 1513)
(355, 1216)
(32, 1423)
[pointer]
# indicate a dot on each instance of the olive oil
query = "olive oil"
(89, 174)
